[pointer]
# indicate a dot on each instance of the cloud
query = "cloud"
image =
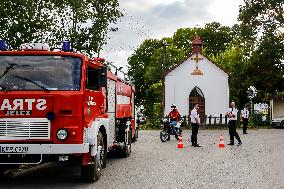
(161, 18)
(165, 19)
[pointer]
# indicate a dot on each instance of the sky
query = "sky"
(155, 19)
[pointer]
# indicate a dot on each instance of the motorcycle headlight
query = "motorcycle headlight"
(62, 134)
(165, 120)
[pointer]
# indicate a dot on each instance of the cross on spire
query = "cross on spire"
(196, 58)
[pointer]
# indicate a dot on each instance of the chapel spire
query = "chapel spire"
(197, 44)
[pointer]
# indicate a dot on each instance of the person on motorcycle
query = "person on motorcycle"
(174, 117)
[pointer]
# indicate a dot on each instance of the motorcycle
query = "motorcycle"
(169, 129)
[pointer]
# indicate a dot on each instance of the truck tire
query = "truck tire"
(136, 133)
(282, 124)
(103, 152)
(126, 150)
(104, 155)
(133, 139)
(2, 171)
(92, 172)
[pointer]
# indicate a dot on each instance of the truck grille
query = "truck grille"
(24, 128)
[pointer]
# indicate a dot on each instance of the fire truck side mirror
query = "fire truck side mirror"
(103, 81)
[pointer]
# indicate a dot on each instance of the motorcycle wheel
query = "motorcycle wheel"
(164, 136)
(179, 131)
(177, 135)
(169, 137)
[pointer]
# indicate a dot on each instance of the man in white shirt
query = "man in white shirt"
(195, 121)
(232, 115)
(245, 118)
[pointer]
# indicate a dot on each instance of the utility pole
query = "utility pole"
(164, 62)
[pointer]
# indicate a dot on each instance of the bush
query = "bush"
(153, 122)
(257, 120)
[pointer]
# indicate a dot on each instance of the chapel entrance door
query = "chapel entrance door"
(196, 96)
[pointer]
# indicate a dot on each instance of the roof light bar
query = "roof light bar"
(34, 47)
(66, 46)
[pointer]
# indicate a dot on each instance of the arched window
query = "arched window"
(196, 92)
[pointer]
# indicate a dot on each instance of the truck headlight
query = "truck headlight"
(62, 134)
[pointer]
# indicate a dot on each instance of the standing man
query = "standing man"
(195, 121)
(245, 118)
(232, 114)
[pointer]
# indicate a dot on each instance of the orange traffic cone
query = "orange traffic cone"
(221, 144)
(180, 144)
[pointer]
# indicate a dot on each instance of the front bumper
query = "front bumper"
(44, 148)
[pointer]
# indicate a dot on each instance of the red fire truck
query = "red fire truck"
(59, 105)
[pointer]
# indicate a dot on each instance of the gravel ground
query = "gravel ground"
(258, 163)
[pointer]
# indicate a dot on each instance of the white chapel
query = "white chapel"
(196, 79)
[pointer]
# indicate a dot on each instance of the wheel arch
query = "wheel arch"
(102, 126)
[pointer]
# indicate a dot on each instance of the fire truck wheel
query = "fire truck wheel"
(133, 139)
(92, 172)
(2, 173)
(126, 150)
(3, 169)
(104, 150)
(136, 133)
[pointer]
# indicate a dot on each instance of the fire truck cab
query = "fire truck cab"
(59, 105)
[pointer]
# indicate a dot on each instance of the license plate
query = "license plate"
(13, 149)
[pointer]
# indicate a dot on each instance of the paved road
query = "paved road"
(258, 163)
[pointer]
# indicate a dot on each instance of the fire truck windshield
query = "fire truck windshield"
(34, 72)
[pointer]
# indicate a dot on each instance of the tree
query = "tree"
(84, 22)
(233, 60)
(139, 64)
(263, 22)
(266, 66)
(215, 38)
(263, 16)
(25, 21)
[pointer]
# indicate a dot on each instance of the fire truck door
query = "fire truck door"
(93, 87)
